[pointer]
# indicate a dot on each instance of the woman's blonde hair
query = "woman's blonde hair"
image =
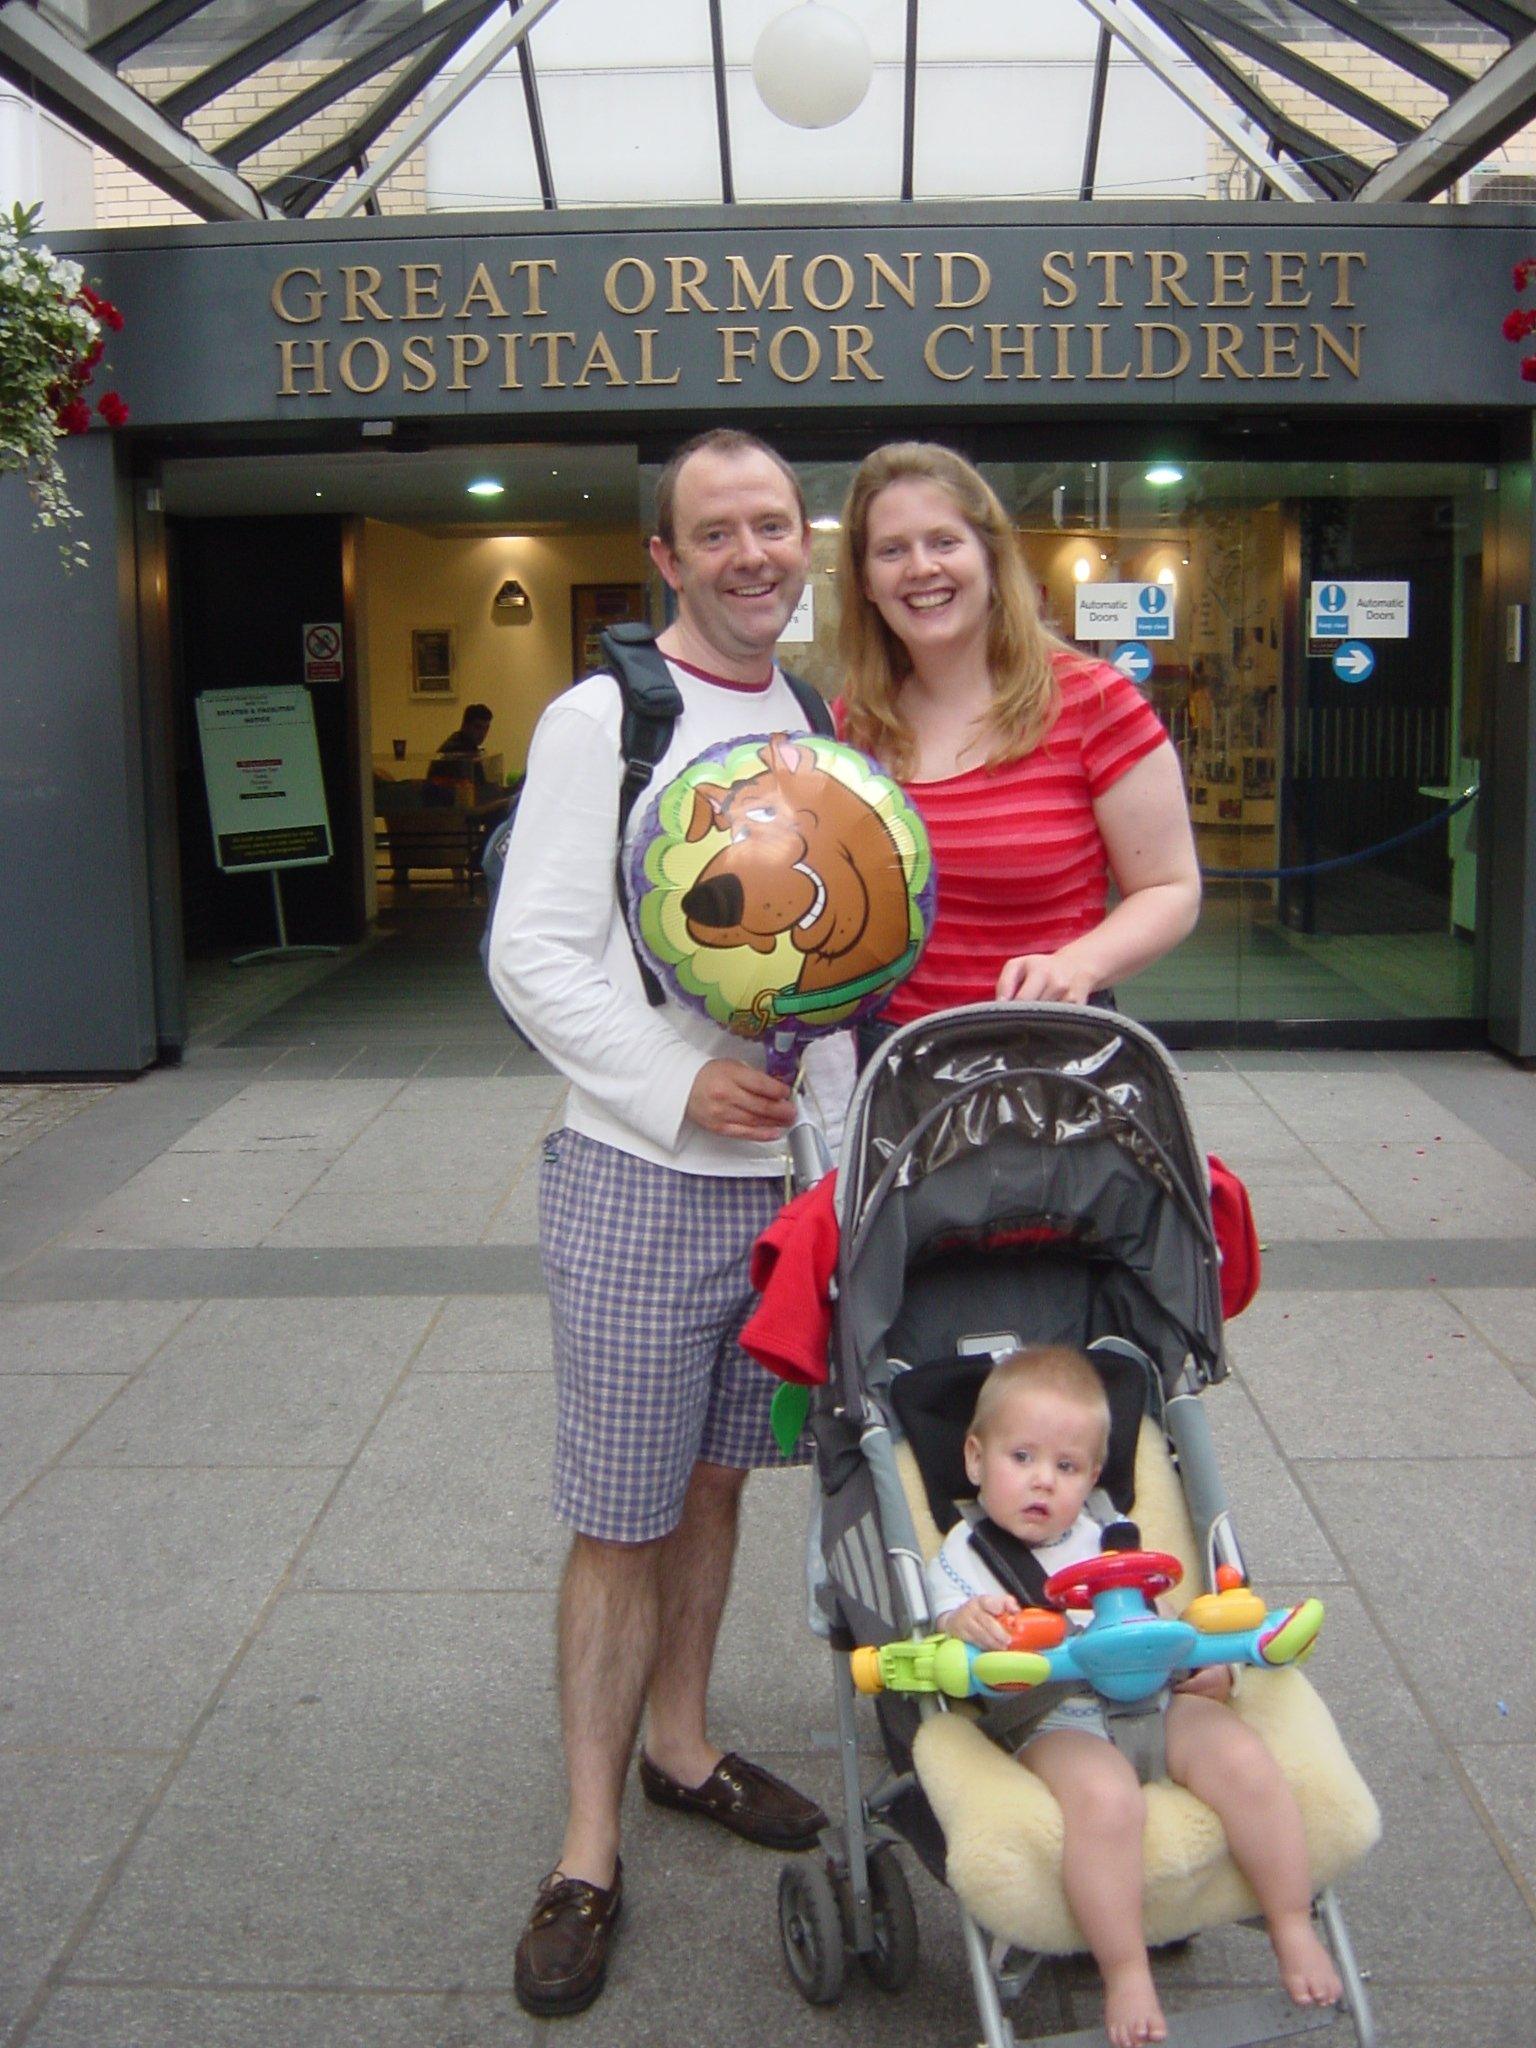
(875, 663)
(1047, 1369)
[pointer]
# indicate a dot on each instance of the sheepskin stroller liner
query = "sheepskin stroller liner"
(1028, 1172)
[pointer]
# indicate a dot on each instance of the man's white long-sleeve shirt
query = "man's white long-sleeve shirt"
(561, 958)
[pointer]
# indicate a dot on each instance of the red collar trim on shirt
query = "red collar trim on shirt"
(724, 682)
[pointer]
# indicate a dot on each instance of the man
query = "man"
(469, 738)
(669, 1164)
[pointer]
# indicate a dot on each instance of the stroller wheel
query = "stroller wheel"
(892, 1960)
(811, 1931)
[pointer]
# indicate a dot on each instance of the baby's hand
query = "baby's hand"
(1214, 1682)
(980, 1621)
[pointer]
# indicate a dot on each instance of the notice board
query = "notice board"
(261, 762)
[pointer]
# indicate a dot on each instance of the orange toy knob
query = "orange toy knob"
(1227, 1577)
(1035, 1628)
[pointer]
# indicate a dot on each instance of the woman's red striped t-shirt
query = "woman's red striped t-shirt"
(1020, 864)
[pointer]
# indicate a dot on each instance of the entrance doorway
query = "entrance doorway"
(467, 585)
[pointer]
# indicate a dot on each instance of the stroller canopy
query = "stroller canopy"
(1023, 1153)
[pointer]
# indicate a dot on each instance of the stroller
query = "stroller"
(1026, 1175)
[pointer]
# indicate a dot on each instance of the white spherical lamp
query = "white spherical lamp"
(812, 66)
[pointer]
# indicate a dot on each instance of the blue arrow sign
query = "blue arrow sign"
(1353, 661)
(1133, 660)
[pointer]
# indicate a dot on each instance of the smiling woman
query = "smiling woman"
(1040, 773)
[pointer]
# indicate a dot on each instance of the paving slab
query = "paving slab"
(124, 1595)
(85, 1336)
(1504, 1316)
(199, 1198)
(451, 1491)
(1313, 1209)
(1388, 1376)
(1436, 1190)
(63, 1820)
(489, 1333)
(406, 1216)
(1280, 1536)
(1505, 1777)
(274, 1382)
(1371, 1108)
(1443, 1547)
(290, 1116)
(39, 1414)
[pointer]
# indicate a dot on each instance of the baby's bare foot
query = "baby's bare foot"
(1306, 1968)
(1132, 2014)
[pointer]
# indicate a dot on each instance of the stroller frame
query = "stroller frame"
(854, 1898)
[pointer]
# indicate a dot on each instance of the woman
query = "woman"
(1040, 772)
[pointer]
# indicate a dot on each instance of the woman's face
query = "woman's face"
(925, 569)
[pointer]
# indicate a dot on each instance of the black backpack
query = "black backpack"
(652, 707)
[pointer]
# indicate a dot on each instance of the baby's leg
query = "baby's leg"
(1221, 1760)
(1103, 1814)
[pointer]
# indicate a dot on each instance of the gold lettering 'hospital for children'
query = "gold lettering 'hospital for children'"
(687, 322)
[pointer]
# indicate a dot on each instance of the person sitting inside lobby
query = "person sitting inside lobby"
(458, 759)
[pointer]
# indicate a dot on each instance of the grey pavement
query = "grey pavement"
(278, 1749)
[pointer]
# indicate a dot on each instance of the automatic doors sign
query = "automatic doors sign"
(1353, 662)
(1124, 611)
(1359, 611)
(322, 654)
(266, 796)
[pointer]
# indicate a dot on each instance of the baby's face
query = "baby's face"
(1037, 1464)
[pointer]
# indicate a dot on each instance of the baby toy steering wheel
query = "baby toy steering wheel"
(1146, 1571)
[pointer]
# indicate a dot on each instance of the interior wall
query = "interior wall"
(414, 580)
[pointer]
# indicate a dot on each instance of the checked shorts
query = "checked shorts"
(647, 1276)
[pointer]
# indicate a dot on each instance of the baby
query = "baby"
(1036, 1446)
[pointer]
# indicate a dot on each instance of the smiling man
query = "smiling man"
(669, 1163)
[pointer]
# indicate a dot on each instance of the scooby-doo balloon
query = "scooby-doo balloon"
(782, 885)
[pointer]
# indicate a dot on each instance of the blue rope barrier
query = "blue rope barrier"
(1342, 860)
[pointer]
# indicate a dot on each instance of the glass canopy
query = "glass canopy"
(251, 107)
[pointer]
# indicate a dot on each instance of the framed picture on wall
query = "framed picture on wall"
(432, 663)
(594, 606)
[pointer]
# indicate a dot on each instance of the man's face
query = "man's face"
(742, 553)
(475, 729)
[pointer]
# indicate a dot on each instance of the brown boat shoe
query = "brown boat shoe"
(562, 1958)
(743, 1797)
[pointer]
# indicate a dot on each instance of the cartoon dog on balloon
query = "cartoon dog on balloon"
(785, 884)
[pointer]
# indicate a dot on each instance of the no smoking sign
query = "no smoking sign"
(322, 654)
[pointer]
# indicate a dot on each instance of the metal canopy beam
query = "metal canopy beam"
(300, 190)
(415, 134)
(1509, 20)
(250, 57)
(535, 119)
(90, 99)
(722, 106)
(1114, 16)
(1490, 111)
(1331, 169)
(909, 104)
(1398, 49)
(1095, 114)
(434, 27)
(1296, 70)
(140, 30)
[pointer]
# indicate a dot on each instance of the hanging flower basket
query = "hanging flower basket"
(52, 340)
(1520, 321)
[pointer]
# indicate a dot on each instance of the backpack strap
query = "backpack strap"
(652, 707)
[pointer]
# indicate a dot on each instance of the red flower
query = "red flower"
(100, 308)
(73, 418)
(1523, 271)
(112, 409)
(1528, 369)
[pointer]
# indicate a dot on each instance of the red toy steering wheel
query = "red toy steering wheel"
(1149, 1571)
